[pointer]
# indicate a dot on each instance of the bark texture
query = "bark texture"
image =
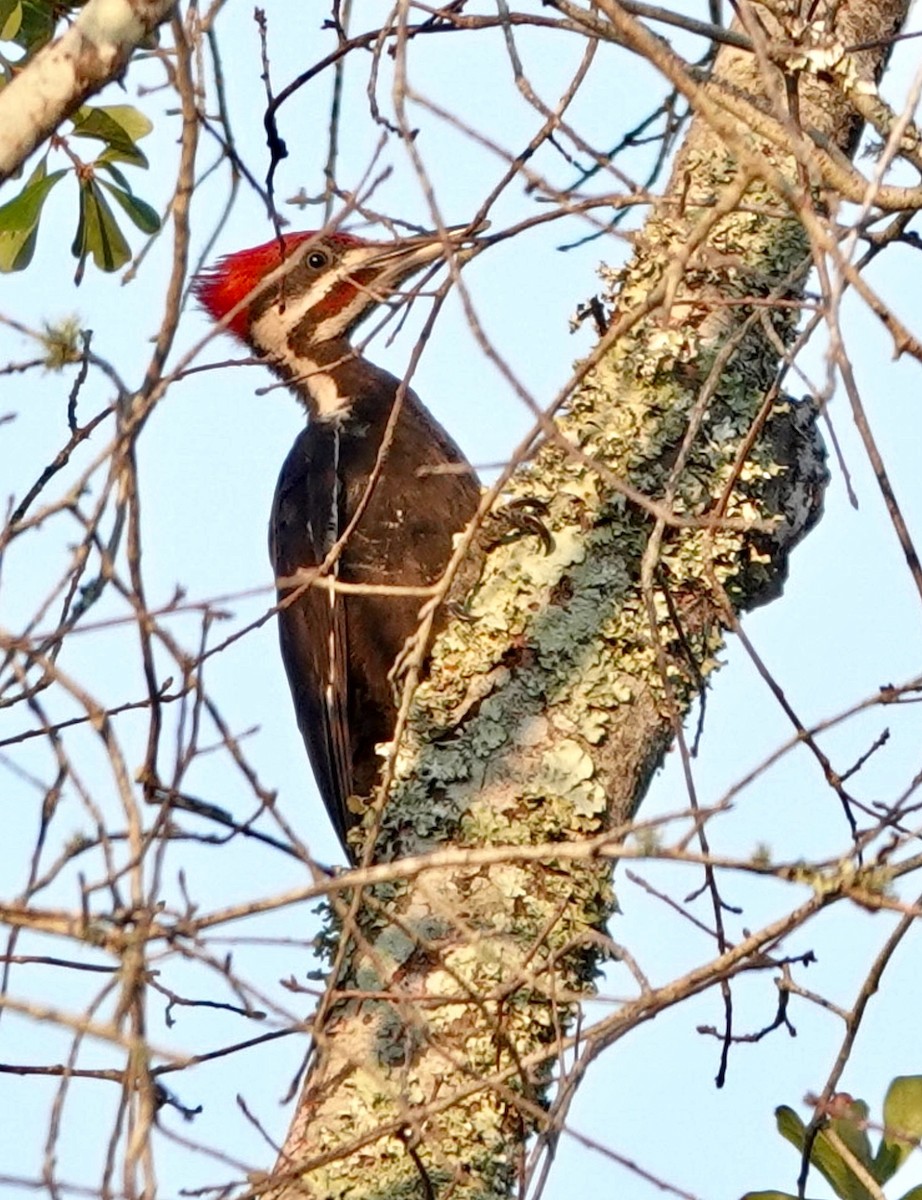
(549, 707)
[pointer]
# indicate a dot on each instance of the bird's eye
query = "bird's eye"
(317, 259)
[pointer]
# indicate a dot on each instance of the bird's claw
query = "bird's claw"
(520, 518)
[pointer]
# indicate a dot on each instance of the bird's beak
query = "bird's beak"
(396, 261)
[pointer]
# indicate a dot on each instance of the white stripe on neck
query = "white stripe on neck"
(271, 329)
(330, 405)
(326, 401)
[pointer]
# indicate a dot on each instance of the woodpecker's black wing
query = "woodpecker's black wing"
(305, 519)
(339, 649)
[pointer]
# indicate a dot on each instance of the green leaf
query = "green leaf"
(134, 157)
(20, 216)
(104, 163)
(139, 211)
(913, 1193)
(790, 1126)
(852, 1129)
(772, 1195)
(902, 1124)
(119, 126)
(887, 1161)
(28, 23)
(768, 1196)
(10, 19)
(17, 255)
(24, 210)
(135, 123)
(823, 1154)
(98, 233)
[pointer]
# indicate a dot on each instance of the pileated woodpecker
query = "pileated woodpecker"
(297, 305)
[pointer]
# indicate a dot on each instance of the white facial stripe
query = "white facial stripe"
(329, 404)
(353, 262)
(325, 394)
(271, 330)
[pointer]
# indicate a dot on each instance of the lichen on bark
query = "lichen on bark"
(546, 708)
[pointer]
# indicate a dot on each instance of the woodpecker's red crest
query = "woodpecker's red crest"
(298, 305)
(315, 285)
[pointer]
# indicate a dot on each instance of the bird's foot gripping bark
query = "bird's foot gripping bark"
(519, 518)
(522, 517)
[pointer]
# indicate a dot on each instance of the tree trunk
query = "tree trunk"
(677, 478)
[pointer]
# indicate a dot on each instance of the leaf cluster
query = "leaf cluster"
(841, 1149)
(98, 234)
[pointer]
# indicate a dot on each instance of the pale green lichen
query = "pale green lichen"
(511, 738)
